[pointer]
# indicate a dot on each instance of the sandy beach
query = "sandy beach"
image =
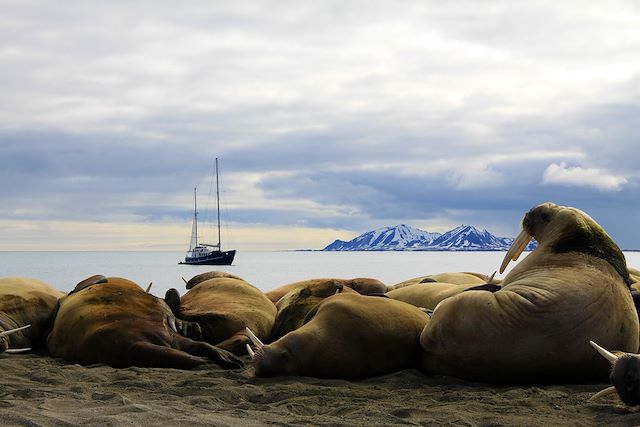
(40, 391)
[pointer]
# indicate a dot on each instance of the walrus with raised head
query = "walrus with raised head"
(572, 289)
(297, 306)
(351, 336)
(362, 285)
(114, 321)
(224, 306)
(26, 308)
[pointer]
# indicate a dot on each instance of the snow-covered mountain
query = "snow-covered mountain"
(405, 238)
(399, 238)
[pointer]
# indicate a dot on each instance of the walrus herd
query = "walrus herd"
(564, 313)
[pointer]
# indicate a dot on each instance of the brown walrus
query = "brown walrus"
(456, 278)
(625, 376)
(23, 302)
(362, 285)
(351, 336)
(224, 307)
(428, 295)
(572, 289)
(297, 306)
(114, 321)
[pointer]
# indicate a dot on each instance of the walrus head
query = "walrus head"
(625, 376)
(565, 229)
(4, 341)
(270, 360)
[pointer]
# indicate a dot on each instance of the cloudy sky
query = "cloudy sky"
(330, 118)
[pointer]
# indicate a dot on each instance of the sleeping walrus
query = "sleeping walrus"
(428, 295)
(461, 278)
(25, 302)
(114, 321)
(299, 305)
(572, 289)
(362, 285)
(224, 307)
(351, 336)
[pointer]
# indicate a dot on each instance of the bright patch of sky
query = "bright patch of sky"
(330, 118)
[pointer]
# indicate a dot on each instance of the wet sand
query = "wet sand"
(41, 391)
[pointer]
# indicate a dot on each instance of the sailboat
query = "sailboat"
(200, 253)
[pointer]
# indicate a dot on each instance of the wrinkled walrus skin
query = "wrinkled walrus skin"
(224, 307)
(114, 321)
(362, 285)
(351, 336)
(25, 301)
(572, 289)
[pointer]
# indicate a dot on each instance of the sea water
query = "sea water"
(265, 270)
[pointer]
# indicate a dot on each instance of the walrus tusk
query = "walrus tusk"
(607, 391)
(517, 247)
(605, 353)
(254, 339)
(426, 310)
(492, 276)
(13, 331)
(172, 324)
(149, 287)
(17, 350)
(250, 351)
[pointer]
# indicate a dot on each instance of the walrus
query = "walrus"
(209, 275)
(362, 285)
(625, 376)
(114, 321)
(572, 289)
(351, 336)
(456, 278)
(224, 306)
(296, 306)
(23, 302)
(428, 295)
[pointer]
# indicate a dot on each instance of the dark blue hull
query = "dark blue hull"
(214, 258)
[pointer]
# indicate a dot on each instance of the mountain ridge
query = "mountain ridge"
(406, 238)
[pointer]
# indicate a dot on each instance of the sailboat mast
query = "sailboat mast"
(218, 200)
(195, 216)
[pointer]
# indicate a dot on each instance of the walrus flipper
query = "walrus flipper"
(486, 287)
(152, 355)
(172, 298)
(220, 357)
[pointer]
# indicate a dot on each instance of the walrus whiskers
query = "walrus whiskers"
(17, 350)
(254, 339)
(607, 391)
(612, 358)
(13, 331)
(517, 247)
(250, 351)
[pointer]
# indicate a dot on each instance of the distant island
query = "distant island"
(406, 238)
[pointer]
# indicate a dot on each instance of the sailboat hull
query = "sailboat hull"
(213, 258)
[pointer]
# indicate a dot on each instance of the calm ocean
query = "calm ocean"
(265, 270)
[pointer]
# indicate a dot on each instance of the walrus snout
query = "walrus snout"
(625, 376)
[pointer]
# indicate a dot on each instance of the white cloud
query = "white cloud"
(582, 177)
